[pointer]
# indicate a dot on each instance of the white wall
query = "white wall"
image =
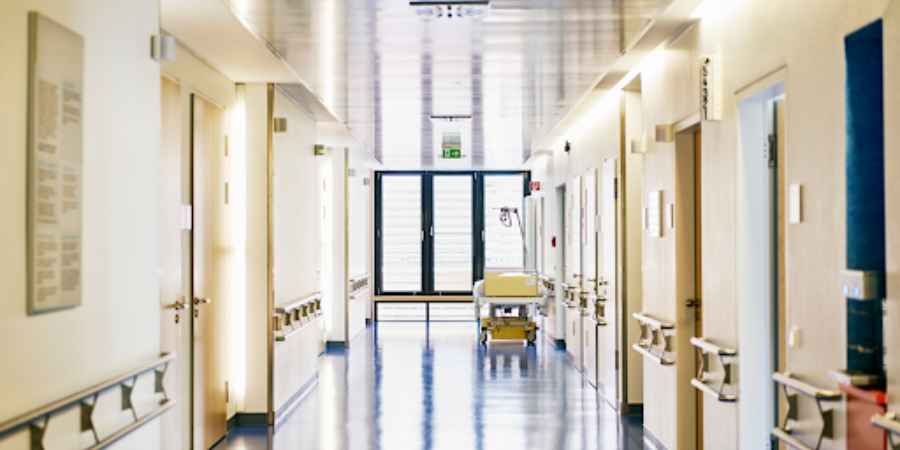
(255, 104)
(358, 241)
(357, 210)
(295, 203)
(336, 299)
(117, 326)
(296, 243)
(754, 38)
(892, 212)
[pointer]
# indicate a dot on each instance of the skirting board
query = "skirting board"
(295, 400)
(652, 441)
(247, 420)
(635, 409)
(335, 347)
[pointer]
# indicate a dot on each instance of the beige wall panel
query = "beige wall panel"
(753, 39)
(633, 255)
(117, 327)
(892, 188)
(256, 252)
(296, 363)
(296, 204)
(176, 425)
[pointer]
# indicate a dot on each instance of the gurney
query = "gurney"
(509, 318)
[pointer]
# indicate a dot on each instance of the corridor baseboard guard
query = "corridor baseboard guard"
(652, 441)
(335, 346)
(559, 344)
(633, 409)
(295, 400)
(247, 420)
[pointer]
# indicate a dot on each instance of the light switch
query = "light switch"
(795, 206)
(187, 217)
(794, 337)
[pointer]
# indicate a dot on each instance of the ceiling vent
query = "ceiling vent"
(450, 117)
(454, 9)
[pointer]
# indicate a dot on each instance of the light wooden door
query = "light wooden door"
(608, 336)
(209, 276)
(175, 323)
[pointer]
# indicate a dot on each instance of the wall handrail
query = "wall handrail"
(708, 389)
(785, 437)
(708, 347)
(656, 335)
(658, 359)
(726, 358)
(889, 423)
(38, 419)
(358, 283)
(296, 304)
(790, 380)
(792, 386)
(653, 322)
(296, 319)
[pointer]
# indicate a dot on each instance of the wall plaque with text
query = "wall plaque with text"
(55, 87)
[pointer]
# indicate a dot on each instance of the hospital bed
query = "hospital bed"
(509, 318)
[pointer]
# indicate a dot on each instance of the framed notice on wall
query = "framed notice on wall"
(55, 87)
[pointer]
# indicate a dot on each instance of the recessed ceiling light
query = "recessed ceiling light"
(450, 8)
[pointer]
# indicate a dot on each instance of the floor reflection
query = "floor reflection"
(420, 386)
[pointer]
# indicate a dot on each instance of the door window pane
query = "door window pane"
(452, 212)
(401, 227)
(503, 238)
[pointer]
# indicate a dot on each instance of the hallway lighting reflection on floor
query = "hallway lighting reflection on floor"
(432, 387)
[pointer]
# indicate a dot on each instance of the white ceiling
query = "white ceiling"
(384, 68)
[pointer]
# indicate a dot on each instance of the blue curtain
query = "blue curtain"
(865, 191)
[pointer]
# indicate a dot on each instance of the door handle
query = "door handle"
(178, 306)
(198, 301)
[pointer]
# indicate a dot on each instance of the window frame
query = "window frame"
(427, 244)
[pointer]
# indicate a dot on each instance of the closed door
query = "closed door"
(608, 284)
(175, 320)
(209, 276)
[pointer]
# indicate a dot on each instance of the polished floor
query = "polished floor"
(431, 386)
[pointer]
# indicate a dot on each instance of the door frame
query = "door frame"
(682, 217)
(176, 335)
(763, 93)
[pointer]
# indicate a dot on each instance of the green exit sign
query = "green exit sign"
(451, 153)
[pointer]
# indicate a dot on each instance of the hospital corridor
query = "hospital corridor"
(450, 224)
